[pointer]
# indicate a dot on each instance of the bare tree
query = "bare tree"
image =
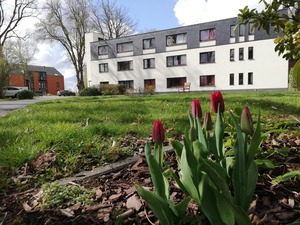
(66, 22)
(11, 14)
(110, 19)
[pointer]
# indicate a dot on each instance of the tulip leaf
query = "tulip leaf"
(209, 201)
(201, 136)
(177, 146)
(219, 135)
(158, 205)
(177, 180)
(252, 177)
(254, 145)
(156, 174)
(189, 174)
(181, 207)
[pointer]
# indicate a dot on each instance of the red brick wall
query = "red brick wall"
(17, 80)
(54, 84)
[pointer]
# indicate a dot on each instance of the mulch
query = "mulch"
(117, 201)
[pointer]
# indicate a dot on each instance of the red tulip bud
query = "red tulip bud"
(207, 123)
(246, 122)
(216, 99)
(158, 133)
(196, 109)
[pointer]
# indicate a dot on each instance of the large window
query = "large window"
(242, 29)
(175, 82)
(125, 47)
(250, 52)
(149, 63)
(176, 39)
(232, 31)
(231, 79)
(241, 78)
(177, 60)
(103, 67)
(125, 65)
(207, 35)
(127, 83)
(149, 43)
(241, 53)
(250, 78)
(42, 75)
(232, 54)
(103, 50)
(251, 28)
(207, 57)
(149, 83)
(207, 80)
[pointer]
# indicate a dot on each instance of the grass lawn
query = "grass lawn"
(89, 131)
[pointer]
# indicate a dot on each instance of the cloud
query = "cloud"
(54, 55)
(198, 11)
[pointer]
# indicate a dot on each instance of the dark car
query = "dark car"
(65, 93)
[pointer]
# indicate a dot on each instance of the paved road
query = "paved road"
(8, 106)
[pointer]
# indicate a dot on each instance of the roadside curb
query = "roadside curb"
(110, 168)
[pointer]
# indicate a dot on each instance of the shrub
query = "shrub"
(149, 90)
(112, 89)
(90, 91)
(25, 94)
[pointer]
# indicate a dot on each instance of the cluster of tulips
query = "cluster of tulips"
(221, 183)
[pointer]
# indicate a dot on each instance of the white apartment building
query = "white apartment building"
(211, 56)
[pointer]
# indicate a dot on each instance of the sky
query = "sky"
(150, 15)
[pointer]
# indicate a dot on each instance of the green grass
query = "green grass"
(81, 130)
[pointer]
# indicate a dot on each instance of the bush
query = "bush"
(90, 91)
(25, 94)
(149, 90)
(112, 89)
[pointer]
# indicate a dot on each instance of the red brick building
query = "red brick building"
(40, 79)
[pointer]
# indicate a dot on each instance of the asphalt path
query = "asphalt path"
(15, 104)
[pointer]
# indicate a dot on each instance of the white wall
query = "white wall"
(269, 70)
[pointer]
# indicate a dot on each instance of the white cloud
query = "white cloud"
(197, 11)
(53, 55)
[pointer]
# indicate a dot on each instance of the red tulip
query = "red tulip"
(158, 133)
(246, 122)
(216, 99)
(207, 123)
(196, 109)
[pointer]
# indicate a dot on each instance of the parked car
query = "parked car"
(65, 93)
(11, 91)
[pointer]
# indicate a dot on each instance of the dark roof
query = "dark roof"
(50, 71)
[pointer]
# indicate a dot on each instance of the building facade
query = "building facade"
(40, 79)
(211, 56)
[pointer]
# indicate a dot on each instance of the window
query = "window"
(207, 80)
(207, 35)
(175, 82)
(125, 65)
(250, 78)
(125, 47)
(176, 39)
(250, 52)
(103, 67)
(149, 43)
(149, 83)
(232, 31)
(251, 28)
(103, 50)
(42, 75)
(232, 54)
(127, 83)
(242, 30)
(241, 53)
(42, 85)
(241, 78)
(177, 60)
(149, 63)
(103, 83)
(207, 57)
(57, 84)
(231, 79)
